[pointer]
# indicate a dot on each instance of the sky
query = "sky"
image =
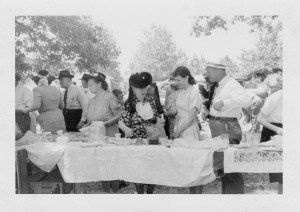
(127, 24)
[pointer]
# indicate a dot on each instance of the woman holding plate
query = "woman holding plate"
(139, 111)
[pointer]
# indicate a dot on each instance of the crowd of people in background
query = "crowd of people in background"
(220, 100)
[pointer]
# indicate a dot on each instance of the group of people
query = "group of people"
(78, 107)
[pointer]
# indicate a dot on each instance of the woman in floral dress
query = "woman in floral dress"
(139, 111)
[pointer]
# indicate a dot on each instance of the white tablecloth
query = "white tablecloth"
(252, 161)
(176, 166)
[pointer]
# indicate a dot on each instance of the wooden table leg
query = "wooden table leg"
(21, 169)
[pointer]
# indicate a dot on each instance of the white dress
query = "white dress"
(186, 101)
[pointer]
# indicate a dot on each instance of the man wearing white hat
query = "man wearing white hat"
(226, 106)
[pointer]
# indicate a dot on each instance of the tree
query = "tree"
(233, 69)
(62, 42)
(268, 50)
(157, 54)
(197, 65)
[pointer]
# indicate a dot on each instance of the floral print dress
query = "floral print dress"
(135, 122)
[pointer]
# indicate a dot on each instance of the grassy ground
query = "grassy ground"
(254, 184)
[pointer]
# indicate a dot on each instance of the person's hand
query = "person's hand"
(218, 105)
(176, 134)
(279, 131)
(86, 125)
(204, 114)
(173, 111)
(128, 132)
(80, 125)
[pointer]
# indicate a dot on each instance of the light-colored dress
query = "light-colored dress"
(103, 107)
(185, 102)
(46, 99)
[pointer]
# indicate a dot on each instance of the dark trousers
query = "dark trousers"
(266, 135)
(114, 185)
(140, 188)
(72, 118)
(23, 121)
(232, 183)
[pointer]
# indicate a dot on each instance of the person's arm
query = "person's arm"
(262, 119)
(28, 98)
(267, 109)
(239, 97)
(189, 122)
(116, 110)
(170, 105)
(125, 129)
(37, 101)
(61, 102)
(83, 100)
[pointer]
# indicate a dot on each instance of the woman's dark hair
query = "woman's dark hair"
(104, 84)
(116, 92)
(130, 102)
(183, 72)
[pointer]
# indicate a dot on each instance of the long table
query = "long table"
(150, 164)
(175, 166)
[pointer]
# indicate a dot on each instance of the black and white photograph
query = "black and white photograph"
(151, 97)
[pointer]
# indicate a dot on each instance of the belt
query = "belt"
(221, 118)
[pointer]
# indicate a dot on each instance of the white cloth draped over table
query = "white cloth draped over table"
(252, 161)
(179, 167)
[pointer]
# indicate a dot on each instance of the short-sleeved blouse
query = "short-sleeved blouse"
(134, 121)
(103, 107)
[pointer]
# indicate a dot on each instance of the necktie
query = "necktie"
(65, 100)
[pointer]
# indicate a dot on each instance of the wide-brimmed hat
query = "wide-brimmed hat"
(140, 80)
(85, 77)
(220, 64)
(65, 73)
(97, 76)
(43, 73)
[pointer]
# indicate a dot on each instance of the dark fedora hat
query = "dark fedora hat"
(85, 77)
(140, 80)
(65, 73)
(43, 73)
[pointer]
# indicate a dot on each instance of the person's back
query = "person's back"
(47, 100)
(50, 98)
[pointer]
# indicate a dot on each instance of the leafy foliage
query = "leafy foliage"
(197, 65)
(62, 42)
(268, 50)
(157, 54)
